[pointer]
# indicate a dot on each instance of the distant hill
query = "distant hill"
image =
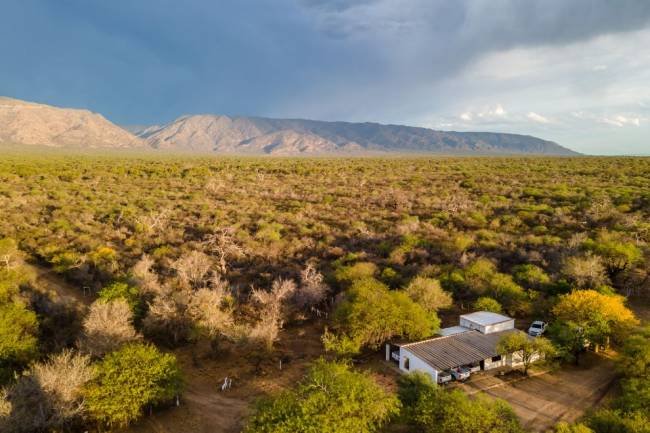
(223, 134)
(30, 123)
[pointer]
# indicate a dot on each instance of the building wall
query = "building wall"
(489, 365)
(487, 329)
(471, 325)
(416, 364)
(510, 324)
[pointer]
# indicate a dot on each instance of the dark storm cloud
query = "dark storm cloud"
(149, 61)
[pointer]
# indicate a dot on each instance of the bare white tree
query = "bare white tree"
(312, 290)
(271, 304)
(167, 318)
(108, 326)
(192, 269)
(212, 311)
(223, 245)
(48, 397)
(145, 277)
(586, 271)
(155, 220)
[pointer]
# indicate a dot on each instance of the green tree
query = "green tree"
(531, 276)
(528, 348)
(370, 314)
(331, 399)
(586, 316)
(428, 294)
(485, 303)
(564, 427)
(120, 290)
(635, 354)
(358, 271)
(410, 389)
(617, 253)
(615, 421)
(442, 411)
(127, 380)
(18, 337)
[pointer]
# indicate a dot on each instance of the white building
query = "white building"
(472, 344)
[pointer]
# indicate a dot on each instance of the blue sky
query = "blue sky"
(577, 72)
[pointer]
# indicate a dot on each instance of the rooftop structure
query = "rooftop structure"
(470, 346)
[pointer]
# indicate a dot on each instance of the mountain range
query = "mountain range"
(38, 124)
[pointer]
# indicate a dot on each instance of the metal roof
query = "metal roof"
(443, 353)
(486, 318)
(452, 330)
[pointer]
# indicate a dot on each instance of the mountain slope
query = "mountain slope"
(38, 124)
(223, 134)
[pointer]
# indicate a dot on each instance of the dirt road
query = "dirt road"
(543, 400)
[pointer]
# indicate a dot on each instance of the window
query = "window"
(496, 358)
(407, 365)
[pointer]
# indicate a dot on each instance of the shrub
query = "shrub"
(55, 388)
(427, 293)
(129, 379)
(485, 303)
(531, 276)
(331, 399)
(18, 341)
(107, 326)
(119, 290)
(442, 411)
(358, 271)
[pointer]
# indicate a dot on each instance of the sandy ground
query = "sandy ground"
(544, 399)
(204, 408)
(58, 288)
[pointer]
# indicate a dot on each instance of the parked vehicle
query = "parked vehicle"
(444, 377)
(460, 373)
(537, 328)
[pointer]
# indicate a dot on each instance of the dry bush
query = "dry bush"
(222, 243)
(312, 290)
(146, 279)
(585, 271)
(49, 397)
(108, 326)
(167, 320)
(192, 269)
(210, 309)
(265, 332)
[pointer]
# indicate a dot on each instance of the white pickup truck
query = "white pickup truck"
(537, 328)
(444, 377)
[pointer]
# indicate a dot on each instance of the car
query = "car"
(444, 377)
(537, 328)
(460, 373)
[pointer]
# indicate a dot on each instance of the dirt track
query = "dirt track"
(545, 399)
(205, 408)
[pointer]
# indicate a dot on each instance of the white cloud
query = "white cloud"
(537, 117)
(599, 68)
(621, 121)
(485, 114)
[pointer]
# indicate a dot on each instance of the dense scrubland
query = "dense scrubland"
(174, 252)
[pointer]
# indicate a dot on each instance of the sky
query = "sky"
(573, 71)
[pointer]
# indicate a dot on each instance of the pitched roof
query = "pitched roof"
(443, 353)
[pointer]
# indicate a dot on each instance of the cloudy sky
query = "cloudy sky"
(573, 71)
